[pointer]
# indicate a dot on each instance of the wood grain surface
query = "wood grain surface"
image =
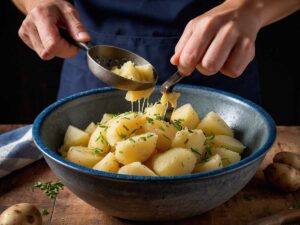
(258, 199)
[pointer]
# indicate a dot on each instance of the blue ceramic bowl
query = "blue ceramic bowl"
(154, 198)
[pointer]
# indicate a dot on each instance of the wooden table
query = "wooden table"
(256, 200)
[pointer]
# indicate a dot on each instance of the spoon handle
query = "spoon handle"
(83, 45)
(169, 84)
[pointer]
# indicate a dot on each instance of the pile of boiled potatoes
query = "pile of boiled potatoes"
(142, 143)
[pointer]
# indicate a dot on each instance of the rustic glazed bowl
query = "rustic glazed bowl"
(144, 198)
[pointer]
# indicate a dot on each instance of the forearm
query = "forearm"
(269, 11)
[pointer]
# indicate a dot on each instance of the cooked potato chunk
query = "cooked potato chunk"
(145, 72)
(123, 126)
(176, 161)
(170, 98)
(128, 71)
(228, 142)
(214, 162)
(76, 137)
(133, 96)
(227, 156)
(187, 115)
(106, 117)
(136, 168)
(155, 110)
(90, 128)
(108, 164)
(191, 139)
(98, 139)
(84, 156)
(165, 131)
(212, 123)
(137, 148)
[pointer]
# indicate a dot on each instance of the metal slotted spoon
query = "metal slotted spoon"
(167, 87)
(102, 58)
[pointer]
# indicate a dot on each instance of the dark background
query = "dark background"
(29, 84)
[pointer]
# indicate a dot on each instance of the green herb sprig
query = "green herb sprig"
(50, 188)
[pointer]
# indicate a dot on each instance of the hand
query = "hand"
(222, 39)
(40, 29)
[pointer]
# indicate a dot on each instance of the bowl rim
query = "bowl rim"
(271, 127)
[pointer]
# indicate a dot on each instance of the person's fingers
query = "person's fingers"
(74, 25)
(24, 37)
(29, 32)
(54, 44)
(197, 44)
(241, 55)
(219, 50)
(182, 41)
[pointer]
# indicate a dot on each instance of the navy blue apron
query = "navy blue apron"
(150, 28)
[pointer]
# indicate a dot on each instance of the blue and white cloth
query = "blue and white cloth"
(17, 150)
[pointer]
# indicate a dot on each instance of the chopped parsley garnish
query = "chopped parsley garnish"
(132, 132)
(226, 159)
(150, 135)
(121, 135)
(101, 138)
(143, 138)
(97, 151)
(186, 141)
(211, 137)
(190, 131)
(177, 124)
(195, 151)
(102, 125)
(208, 150)
(130, 139)
(121, 152)
(50, 188)
(125, 127)
(150, 120)
(161, 128)
(44, 212)
(166, 137)
(158, 117)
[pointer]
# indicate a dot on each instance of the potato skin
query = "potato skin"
(288, 158)
(283, 176)
(21, 214)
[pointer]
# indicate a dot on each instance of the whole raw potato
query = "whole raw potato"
(21, 214)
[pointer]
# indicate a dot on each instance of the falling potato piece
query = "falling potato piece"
(170, 98)
(21, 214)
(133, 96)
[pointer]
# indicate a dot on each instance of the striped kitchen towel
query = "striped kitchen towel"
(17, 150)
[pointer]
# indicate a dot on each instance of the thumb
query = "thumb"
(75, 27)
